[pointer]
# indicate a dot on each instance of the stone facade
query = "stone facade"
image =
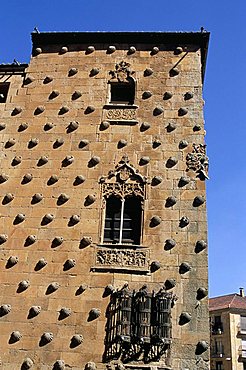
(65, 148)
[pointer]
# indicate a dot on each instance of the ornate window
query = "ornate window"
(123, 192)
(138, 325)
(122, 85)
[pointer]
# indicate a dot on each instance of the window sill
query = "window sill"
(120, 105)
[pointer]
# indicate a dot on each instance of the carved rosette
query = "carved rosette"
(198, 161)
(122, 258)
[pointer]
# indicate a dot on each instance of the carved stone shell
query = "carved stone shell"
(20, 217)
(48, 79)
(37, 197)
(35, 310)
(200, 246)
(64, 49)
(15, 336)
(5, 309)
(43, 160)
(2, 126)
(182, 111)
(79, 179)
(184, 221)
(170, 283)
(155, 221)
(171, 126)
(171, 162)
(24, 284)
(73, 125)
(13, 260)
(48, 217)
(148, 72)
(65, 312)
(144, 160)
(167, 95)
(90, 49)
(58, 240)
(94, 71)
(40, 109)
(155, 265)
(157, 111)
(85, 241)
(47, 337)
(184, 268)
(201, 347)
(77, 339)
(59, 365)
(169, 244)
(156, 180)
(70, 263)
(111, 49)
(27, 178)
(64, 109)
(184, 180)
(54, 286)
(183, 144)
(3, 177)
(63, 197)
(77, 94)
(31, 239)
(27, 364)
(3, 238)
(95, 160)
(72, 71)
(184, 318)
(75, 219)
(69, 159)
(201, 293)
(94, 313)
(41, 263)
(171, 201)
(145, 126)
(17, 160)
(198, 201)
(104, 125)
(8, 198)
(90, 366)
(53, 179)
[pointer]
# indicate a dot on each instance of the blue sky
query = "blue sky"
(223, 92)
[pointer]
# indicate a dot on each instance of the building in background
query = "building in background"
(228, 331)
(103, 217)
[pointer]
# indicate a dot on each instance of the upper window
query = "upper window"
(123, 220)
(4, 88)
(122, 92)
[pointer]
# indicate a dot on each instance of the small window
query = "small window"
(123, 220)
(219, 365)
(122, 92)
(4, 88)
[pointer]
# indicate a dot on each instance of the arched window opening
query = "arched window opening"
(123, 220)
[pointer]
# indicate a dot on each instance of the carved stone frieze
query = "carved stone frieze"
(123, 114)
(122, 72)
(122, 258)
(198, 161)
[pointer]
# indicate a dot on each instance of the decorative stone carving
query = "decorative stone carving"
(109, 289)
(167, 95)
(47, 338)
(178, 50)
(49, 217)
(198, 201)
(171, 162)
(131, 50)
(197, 128)
(90, 366)
(171, 201)
(16, 110)
(59, 365)
(183, 144)
(90, 49)
(169, 244)
(197, 161)
(65, 312)
(145, 126)
(53, 179)
(122, 143)
(89, 109)
(3, 178)
(104, 125)
(32, 143)
(85, 241)
(16, 160)
(41, 263)
(59, 142)
(3, 238)
(154, 50)
(124, 114)
(69, 264)
(54, 94)
(10, 142)
(69, 159)
(2, 126)
(34, 311)
(148, 72)
(13, 260)
(174, 72)
(5, 309)
(53, 287)
(184, 221)
(121, 73)
(58, 240)
(27, 364)
(171, 126)
(19, 218)
(188, 95)
(169, 284)
(184, 268)
(184, 180)
(23, 126)
(27, 178)
(74, 219)
(94, 160)
(38, 51)
(40, 109)
(155, 265)
(23, 285)
(122, 258)
(37, 198)
(63, 198)
(201, 347)
(76, 340)
(83, 143)
(43, 160)
(184, 318)
(157, 111)
(156, 180)
(156, 143)
(28, 80)
(200, 246)
(8, 198)
(111, 49)
(155, 221)
(182, 111)
(201, 293)
(48, 126)
(81, 289)
(94, 71)
(63, 109)
(72, 72)
(146, 95)
(79, 180)
(48, 79)
(31, 239)
(144, 160)
(94, 314)
(63, 50)
(15, 336)
(76, 95)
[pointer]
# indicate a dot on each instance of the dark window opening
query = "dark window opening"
(123, 220)
(4, 88)
(217, 327)
(219, 365)
(122, 92)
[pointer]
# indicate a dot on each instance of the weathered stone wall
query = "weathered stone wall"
(38, 154)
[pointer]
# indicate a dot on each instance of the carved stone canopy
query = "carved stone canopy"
(121, 73)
